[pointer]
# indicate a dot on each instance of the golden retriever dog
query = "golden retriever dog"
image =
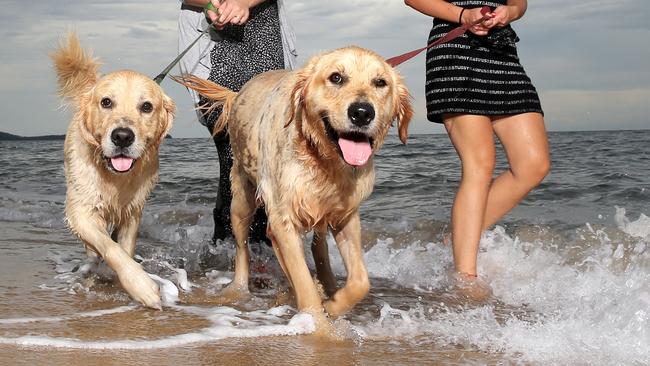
(303, 144)
(111, 159)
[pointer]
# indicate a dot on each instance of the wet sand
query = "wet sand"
(29, 289)
(258, 351)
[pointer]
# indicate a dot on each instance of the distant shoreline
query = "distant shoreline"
(4, 136)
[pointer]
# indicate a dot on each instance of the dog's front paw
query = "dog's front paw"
(335, 308)
(140, 286)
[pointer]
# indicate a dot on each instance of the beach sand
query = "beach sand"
(55, 325)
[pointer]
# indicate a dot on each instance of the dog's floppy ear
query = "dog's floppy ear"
(77, 75)
(297, 97)
(166, 118)
(403, 110)
(300, 90)
(76, 69)
(85, 117)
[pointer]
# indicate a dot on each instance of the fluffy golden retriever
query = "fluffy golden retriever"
(111, 159)
(303, 144)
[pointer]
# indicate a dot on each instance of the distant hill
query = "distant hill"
(4, 136)
(11, 137)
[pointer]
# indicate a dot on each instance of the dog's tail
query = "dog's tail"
(76, 69)
(218, 95)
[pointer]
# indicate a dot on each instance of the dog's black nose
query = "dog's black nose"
(122, 137)
(361, 113)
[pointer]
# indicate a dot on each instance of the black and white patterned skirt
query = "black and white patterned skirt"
(246, 50)
(476, 75)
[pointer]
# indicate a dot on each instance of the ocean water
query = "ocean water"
(569, 267)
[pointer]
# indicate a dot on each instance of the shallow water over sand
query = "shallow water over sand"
(569, 269)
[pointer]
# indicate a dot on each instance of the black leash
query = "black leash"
(158, 79)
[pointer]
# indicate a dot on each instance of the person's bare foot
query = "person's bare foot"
(471, 286)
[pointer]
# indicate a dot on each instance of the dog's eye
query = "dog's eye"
(379, 82)
(106, 103)
(146, 107)
(336, 78)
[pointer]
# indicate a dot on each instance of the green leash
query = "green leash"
(158, 79)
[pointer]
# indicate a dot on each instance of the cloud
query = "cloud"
(586, 58)
(594, 15)
(570, 110)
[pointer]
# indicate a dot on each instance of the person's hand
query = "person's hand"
(214, 16)
(472, 15)
(234, 12)
(501, 17)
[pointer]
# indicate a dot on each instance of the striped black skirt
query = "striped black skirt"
(476, 75)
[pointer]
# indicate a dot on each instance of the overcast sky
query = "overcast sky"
(590, 60)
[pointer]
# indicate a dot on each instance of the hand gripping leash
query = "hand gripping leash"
(393, 61)
(454, 33)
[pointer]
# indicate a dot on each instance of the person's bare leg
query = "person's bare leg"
(473, 138)
(524, 140)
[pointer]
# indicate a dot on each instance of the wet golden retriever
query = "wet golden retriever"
(303, 144)
(111, 159)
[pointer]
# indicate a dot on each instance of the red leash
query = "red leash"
(456, 32)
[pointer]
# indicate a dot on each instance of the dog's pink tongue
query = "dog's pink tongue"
(121, 163)
(355, 152)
